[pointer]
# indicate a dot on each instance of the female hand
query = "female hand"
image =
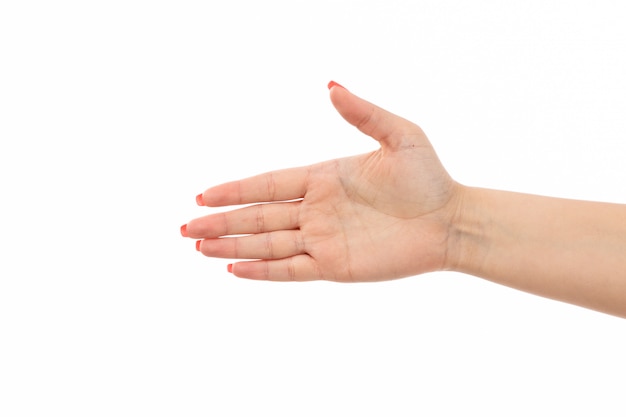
(371, 217)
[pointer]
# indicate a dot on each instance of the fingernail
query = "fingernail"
(335, 84)
(198, 243)
(230, 268)
(183, 230)
(199, 200)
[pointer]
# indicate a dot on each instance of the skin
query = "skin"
(396, 212)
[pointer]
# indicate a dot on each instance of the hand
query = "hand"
(371, 217)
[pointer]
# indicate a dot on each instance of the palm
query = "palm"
(374, 216)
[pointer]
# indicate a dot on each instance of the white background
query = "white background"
(114, 115)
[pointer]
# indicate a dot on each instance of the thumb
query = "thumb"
(393, 132)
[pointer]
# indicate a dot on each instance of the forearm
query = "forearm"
(569, 250)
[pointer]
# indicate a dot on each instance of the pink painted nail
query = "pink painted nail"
(183, 230)
(198, 243)
(335, 84)
(230, 268)
(199, 200)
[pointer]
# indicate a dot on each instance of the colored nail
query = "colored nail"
(183, 230)
(230, 268)
(198, 243)
(199, 200)
(334, 84)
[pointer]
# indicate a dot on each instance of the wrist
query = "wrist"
(467, 243)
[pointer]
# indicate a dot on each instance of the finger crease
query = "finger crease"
(291, 270)
(236, 248)
(266, 270)
(269, 246)
(226, 225)
(299, 242)
(271, 187)
(260, 219)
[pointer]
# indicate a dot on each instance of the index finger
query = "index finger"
(286, 184)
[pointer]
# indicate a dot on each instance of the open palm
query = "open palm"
(371, 217)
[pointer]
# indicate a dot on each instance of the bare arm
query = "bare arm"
(570, 250)
(396, 212)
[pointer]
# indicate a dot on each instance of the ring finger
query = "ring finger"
(259, 218)
(271, 245)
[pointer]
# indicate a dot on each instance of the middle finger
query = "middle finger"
(272, 245)
(259, 218)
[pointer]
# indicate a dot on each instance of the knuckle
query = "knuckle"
(291, 270)
(269, 245)
(260, 218)
(299, 243)
(364, 122)
(235, 247)
(271, 186)
(226, 227)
